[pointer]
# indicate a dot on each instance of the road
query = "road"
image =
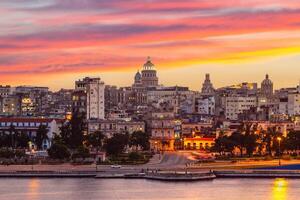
(172, 160)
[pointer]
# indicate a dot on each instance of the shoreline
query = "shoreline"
(160, 176)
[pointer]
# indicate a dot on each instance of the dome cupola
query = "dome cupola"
(138, 76)
(148, 65)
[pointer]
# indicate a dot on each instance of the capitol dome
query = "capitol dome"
(148, 65)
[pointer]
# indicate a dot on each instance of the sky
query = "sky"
(55, 42)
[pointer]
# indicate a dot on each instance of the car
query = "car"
(116, 166)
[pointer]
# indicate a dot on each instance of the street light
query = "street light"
(279, 140)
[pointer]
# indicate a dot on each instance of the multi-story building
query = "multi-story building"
(205, 105)
(191, 129)
(161, 126)
(198, 143)
(10, 106)
(236, 105)
(95, 99)
(5, 90)
(111, 127)
(294, 103)
(281, 127)
(89, 98)
(60, 103)
(30, 127)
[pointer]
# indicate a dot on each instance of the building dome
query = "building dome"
(137, 76)
(148, 65)
(267, 81)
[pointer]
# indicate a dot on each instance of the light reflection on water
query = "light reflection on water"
(33, 189)
(280, 189)
(111, 189)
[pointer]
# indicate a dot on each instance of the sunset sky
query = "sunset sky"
(54, 42)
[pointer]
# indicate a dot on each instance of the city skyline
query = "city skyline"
(53, 43)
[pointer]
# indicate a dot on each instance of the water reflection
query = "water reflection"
(139, 189)
(33, 189)
(279, 191)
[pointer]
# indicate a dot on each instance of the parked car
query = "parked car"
(116, 166)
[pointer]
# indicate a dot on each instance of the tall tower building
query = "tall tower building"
(93, 91)
(207, 87)
(267, 87)
(149, 78)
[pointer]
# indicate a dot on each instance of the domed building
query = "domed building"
(137, 80)
(267, 87)
(149, 77)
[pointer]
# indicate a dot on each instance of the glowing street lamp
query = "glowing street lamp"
(279, 140)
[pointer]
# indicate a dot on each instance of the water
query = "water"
(114, 189)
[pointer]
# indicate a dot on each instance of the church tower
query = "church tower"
(207, 87)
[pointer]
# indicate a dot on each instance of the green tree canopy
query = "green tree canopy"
(140, 139)
(116, 144)
(41, 136)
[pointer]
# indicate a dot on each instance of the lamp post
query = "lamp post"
(279, 140)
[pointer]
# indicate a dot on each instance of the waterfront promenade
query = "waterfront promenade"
(170, 162)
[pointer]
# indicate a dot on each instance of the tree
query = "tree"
(72, 132)
(65, 134)
(6, 153)
(292, 141)
(77, 130)
(223, 144)
(250, 138)
(22, 140)
(41, 136)
(250, 143)
(116, 144)
(4, 140)
(271, 139)
(12, 132)
(81, 152)
(95, 140)
(59, 151)
(140, 139)
(238, 140)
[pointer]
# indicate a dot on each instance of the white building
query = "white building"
(238, 104)
(30, 127)
(205, 105)
(283, 106)
(94, 89)
(294, 103)
(111, 127)
(95, 99)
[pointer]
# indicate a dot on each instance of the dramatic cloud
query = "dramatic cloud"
(67, 36)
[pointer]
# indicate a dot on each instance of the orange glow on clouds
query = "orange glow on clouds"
(57, 41)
